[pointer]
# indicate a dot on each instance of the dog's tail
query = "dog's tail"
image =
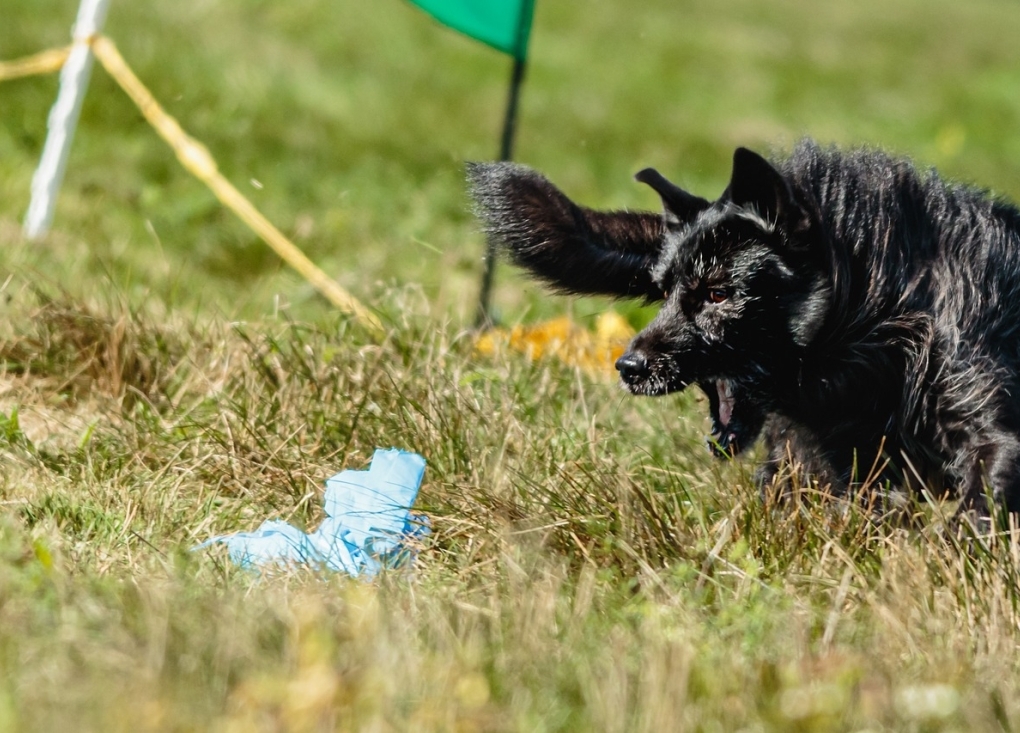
(574, 249)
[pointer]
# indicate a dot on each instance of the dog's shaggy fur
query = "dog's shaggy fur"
(857, 311)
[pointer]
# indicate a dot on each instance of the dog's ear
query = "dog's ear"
(678, 205)
(756, 183)
(576, 250)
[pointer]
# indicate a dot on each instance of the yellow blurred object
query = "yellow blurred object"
(593, 351)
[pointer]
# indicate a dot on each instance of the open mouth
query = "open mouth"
(736, 409)
(723, 441)
(736, 417)
(726, 401)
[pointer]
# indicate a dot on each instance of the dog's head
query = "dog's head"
(741, 278)
(743, 292)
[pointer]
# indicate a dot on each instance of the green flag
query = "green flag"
(503, 24)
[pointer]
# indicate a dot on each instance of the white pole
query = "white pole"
(74, 80)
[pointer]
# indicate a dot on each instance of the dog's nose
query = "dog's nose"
(633, 366)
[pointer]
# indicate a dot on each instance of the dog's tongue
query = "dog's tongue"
(725, 401)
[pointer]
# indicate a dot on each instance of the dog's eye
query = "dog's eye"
(716, 295)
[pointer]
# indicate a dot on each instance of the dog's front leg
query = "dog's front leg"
(794, 460)
(993, 464)
(777, 444)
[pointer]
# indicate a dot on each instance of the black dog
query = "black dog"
(861, 312)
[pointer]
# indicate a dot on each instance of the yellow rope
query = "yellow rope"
(197, 160)
(44, 62)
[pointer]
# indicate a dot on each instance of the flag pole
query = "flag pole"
(506, 150)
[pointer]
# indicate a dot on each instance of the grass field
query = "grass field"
(164, 378)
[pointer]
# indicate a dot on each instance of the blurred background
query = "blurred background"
(347, 123)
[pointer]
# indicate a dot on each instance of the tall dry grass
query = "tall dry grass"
(590, 568)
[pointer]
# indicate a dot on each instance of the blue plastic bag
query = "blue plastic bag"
(368, 521)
